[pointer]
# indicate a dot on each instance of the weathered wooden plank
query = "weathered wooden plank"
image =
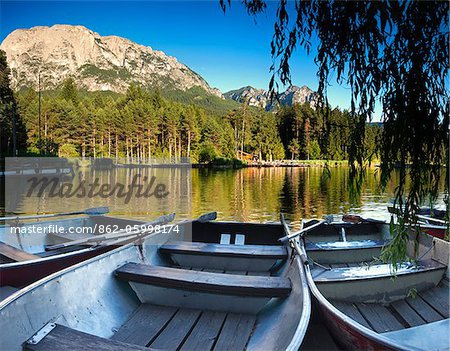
(409, 315)
(205, 332)
(63, 338)
(352, 311)
(423, 309)
(177, 330)
(438, 298)
(227, 284)
(15, 254)
(248, 251)
(379, 317)
(145, 323)
(235, 332)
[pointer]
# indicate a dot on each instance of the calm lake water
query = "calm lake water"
(249, 194)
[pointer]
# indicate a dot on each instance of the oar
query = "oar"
(302, 231)
(300, 249)
(431, 219)
(95, 211)
(116, 235)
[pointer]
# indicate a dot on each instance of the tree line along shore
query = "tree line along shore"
(146, 124)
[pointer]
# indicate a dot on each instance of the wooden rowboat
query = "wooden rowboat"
(24, 243)
(365, 307)
(203, 286)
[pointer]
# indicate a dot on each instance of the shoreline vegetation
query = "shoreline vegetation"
(150, 124)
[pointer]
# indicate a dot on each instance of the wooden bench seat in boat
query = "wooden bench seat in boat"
(344, 251)
(200, 281)
(377, 283)
(345, 245)
(177, 287)
(377, 271)
(68, 339)
(225, 256)
(171, 328)
(15, 254)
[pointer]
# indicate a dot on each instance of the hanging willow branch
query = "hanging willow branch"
(392, 51)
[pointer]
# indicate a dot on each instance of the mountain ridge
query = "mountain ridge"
(95, 62)
(261, 97)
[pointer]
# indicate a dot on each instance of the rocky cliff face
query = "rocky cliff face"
(260, 97)
(96, 62)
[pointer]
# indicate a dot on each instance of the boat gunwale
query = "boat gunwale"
(365, 332)
(303, 324)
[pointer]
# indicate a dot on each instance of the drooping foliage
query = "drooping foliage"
(393, 52)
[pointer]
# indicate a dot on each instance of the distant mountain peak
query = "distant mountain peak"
(95, 62)
(261, 97)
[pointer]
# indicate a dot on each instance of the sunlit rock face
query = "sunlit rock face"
(261, 98)
(95, 62)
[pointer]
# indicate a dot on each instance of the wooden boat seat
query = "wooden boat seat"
(248, 251)
(431, 336)
(15, 254)
(216, 283)
(64, 338)
(345, 245)
(225, 256)
(375, 271)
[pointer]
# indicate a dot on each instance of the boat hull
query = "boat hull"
(20, 274)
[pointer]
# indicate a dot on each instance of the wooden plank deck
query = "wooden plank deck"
(176, 331)
(63, 338)
(205, 332)
(352, 311)
(162, 328)
(407, 313)
(235, 332)
(438, 299)
(426, 307)
(379, 317)
(145, 323)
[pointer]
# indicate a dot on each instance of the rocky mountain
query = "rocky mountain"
(95, 62)
(260, 97)
(250, 95)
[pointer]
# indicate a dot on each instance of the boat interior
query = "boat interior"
(210, 286)
(403, 304)
(360, 240)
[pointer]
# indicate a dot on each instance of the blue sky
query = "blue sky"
(229, 50)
